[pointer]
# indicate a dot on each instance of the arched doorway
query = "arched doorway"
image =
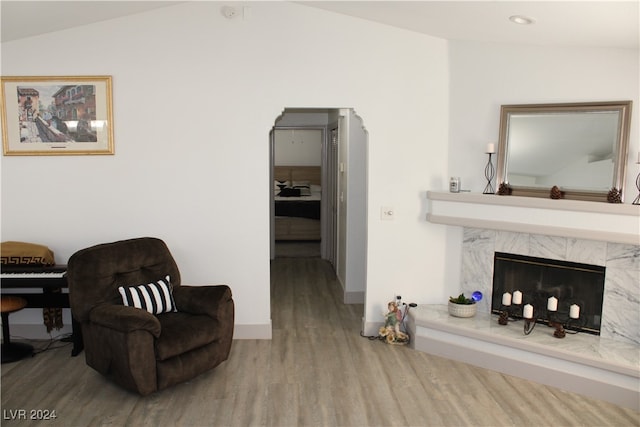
(343, 214)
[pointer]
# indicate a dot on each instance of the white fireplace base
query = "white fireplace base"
(582, 363)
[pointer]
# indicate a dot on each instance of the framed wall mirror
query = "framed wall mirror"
(580, 148)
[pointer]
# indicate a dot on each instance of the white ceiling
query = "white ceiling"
(566, 23)
(21, 19)
(560, 23)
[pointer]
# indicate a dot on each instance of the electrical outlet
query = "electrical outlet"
(386, 213)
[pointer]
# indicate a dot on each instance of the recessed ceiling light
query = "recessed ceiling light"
(521, 19)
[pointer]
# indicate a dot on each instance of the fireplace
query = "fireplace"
(577, 289)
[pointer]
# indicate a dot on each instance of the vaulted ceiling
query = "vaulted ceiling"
(560, 23)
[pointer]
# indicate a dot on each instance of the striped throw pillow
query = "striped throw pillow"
(155, 297)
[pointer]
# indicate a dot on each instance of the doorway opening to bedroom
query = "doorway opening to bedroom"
(297, 173)
(319, 191)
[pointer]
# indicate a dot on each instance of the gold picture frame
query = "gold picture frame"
(58, 115)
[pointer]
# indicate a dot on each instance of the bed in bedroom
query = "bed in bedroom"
(297, 195)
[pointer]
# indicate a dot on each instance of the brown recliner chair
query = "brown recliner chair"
(141, 351)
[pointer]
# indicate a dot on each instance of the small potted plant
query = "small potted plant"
(461, 306)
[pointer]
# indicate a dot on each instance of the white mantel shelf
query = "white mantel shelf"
(619, 223)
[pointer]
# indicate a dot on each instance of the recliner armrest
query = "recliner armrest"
(125, 319)
(212, 300)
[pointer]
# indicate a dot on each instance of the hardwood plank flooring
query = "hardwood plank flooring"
(297, 249)
(316, 371)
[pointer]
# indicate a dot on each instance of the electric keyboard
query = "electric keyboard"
(50, 275)
(53, 276)
(31, 271)
(47, 279)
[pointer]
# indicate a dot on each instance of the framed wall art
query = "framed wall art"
(56, 115)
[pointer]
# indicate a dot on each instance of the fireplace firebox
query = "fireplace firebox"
(536, 280)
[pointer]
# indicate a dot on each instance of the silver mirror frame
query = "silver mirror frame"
(622, 147)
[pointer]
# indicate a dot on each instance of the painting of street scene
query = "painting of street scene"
(66, 115)
(57, 113)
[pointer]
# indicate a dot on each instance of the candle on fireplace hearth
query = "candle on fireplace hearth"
(506, 298)
(527, 311)
(552, 304)
(574, 311)
(517, 297)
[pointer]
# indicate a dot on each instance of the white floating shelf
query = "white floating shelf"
(619, 223)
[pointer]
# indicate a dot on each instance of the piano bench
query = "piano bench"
(12, 352)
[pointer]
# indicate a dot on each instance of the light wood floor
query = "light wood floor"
(316, 371)
(297, 249)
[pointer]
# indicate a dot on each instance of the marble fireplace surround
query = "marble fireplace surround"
(605, 367)
(577, 231)
(620, 319)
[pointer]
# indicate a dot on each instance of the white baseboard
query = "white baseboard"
(252, 332)
(354, 297)
(371, 328)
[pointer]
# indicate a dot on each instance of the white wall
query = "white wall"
(351, 263)
(357, 220)
(342, 196)
(485, 76)
(429, 108)
(298, 147)
(194, 96)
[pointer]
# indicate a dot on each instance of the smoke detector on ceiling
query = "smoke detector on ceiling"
(229, 12)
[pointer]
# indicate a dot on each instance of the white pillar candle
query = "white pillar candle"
(491, 148)
(517, 297)
(574, 311)
(527, 311)
(552, 304)
(506, 298)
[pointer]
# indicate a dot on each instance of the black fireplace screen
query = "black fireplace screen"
(538, 279)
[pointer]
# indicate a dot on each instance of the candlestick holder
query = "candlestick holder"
(553, 323)
(565, 317)
(529, 316)
(508, 312)
(529, 325)
(489, 172)
(636, 201)
(562, 323)
(578, 321)
(503, 318)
